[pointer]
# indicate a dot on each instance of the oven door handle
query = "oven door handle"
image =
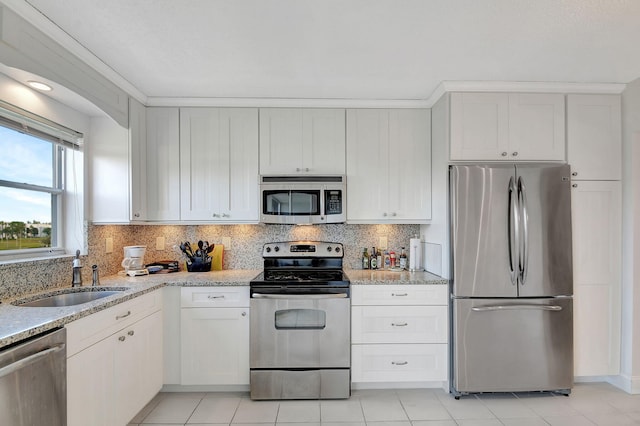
(300, 296)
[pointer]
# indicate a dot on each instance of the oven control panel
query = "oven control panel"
(303, 249)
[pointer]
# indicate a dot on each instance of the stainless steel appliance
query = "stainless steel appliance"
(33, 382)
(301, 323)
(512, 279)
(303, 199)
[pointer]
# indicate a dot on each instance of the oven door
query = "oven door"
(292, 331)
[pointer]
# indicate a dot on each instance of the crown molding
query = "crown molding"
(286, 103)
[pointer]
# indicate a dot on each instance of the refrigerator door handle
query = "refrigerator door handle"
(514, 231)
(524, 217)
(516, 307)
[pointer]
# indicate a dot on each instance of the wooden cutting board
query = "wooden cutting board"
(217, 256)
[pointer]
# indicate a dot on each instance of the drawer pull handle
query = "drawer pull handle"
(121, 338)
(119, 317)
(399, 294)
(131, 333)
(400, 363)
(215, 297)
(399, 324)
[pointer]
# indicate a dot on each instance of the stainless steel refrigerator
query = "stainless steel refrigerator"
(512, 280)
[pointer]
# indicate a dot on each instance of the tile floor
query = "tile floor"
(589, 404)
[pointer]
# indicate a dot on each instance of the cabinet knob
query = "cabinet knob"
(298, 169)
(394, 214)
(216, 215)
(515, 154)
(244, 314)
(575, 185)
(136, 215)
(384, 214)
(131, 332)
(121, 338)
(306, 169)
(503, 153)
(225, 215)
(574, 174)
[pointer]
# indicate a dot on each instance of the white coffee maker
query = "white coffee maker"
(133, 262)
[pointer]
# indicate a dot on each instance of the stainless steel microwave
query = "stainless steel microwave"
(303, 200)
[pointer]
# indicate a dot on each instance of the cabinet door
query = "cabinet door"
(215, 346)
(138, 159)
(239, 197)
(596, 216)
(409, 161)
(594, 140)
(536, 127)
(90, 386)
(219, 164)
(479, 126)
(367, 165)
(324, 141)
(203, 159)
(281, 140)
(163, 164)
(138, 366)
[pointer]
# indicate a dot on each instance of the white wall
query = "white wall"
(630, 362)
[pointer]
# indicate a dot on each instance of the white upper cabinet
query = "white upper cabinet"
(163, 164)
(594, 140)
(138, 160)
(302, 141)
(388, 166)
(507, 126)
(219, 164)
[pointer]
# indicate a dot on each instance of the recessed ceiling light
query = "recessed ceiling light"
(39, 85)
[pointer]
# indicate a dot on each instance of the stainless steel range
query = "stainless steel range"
(301, 323)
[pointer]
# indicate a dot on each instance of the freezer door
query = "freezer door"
(545, 260)
(502, 345)
(484, 252)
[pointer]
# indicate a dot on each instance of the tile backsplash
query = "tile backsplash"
(244, 251)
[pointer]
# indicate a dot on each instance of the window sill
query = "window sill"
(20, 256)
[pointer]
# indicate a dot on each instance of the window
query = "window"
(34, 159)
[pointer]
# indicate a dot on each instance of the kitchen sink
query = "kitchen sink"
(70, 298)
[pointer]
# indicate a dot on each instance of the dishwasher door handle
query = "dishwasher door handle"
(300, 296)
(21, 363)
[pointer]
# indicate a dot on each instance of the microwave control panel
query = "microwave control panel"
(333, 201)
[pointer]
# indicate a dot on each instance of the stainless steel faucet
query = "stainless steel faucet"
(77, 274)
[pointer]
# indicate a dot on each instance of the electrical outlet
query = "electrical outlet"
(226, 242)
(108, 245)
(159, 243)
(382, 243)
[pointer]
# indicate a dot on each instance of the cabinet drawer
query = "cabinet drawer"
(391, 324)
(399, 363)
(414, 294)
(95, 327)
(203, 297)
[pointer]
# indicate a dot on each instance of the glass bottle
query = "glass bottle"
(403, 259)
(365, 259)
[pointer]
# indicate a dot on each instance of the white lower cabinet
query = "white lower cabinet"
(214, 330)
(399, 333)
(114, 364)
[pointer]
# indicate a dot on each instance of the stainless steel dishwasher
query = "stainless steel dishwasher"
(33, 382)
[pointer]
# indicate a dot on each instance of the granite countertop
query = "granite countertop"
(386, 277)
(18, 323)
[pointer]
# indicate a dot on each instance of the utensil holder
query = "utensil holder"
(199, 266)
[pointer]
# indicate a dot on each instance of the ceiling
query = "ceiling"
(350, 49)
